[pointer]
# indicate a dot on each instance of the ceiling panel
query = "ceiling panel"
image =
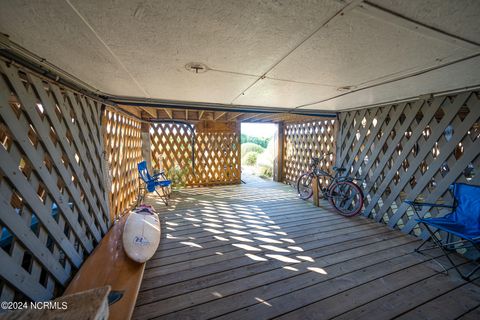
(357, 48)
(244, 36)
(276, 93)
(139, 48)
(53, 31)
(179, 84)
(461, 75)
(457, 17)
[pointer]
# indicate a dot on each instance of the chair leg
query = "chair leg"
(140, 196)
(471, 273)
(162, 196)
(447, 254)
(438, 244)
(166, 194)
(169, 189)
(421, 245)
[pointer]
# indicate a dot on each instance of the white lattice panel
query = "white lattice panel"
(217, 154)
(411, 150)
(304, 141)
(53, 208)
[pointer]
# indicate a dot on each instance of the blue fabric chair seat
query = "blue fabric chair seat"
(152, 182)
(463, 221)
(450, 226)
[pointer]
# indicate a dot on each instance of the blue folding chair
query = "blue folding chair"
(153, 183)
(463, 222)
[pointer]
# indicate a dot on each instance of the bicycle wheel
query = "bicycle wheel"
(304, 186)
(346, 198)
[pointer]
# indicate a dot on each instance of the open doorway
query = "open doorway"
(258, 150)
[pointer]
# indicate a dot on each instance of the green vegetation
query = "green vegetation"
(250, 158)
(258, 153)
(262, 142)
(178, 175)
(265, 172)
(249, 147)
(265, 161)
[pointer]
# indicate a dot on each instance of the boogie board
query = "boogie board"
(141, 234)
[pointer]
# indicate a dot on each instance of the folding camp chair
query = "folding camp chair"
(463, 222)
(153, 183)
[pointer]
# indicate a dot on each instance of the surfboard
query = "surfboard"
(141, 234)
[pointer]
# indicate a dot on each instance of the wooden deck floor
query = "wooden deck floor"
(255, 251)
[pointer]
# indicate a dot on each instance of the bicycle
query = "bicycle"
(343, 194)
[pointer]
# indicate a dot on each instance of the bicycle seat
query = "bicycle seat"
(339, 169)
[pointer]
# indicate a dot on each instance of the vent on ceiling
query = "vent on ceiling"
(196, 67)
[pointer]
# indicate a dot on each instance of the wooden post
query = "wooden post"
(278, 161)
(146, 148)
(337, 133)
(238, 155)
(107, 178)
(316, 201)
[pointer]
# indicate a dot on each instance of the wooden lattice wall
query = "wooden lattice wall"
(123, 147)
(217, 151)
(53, 204)
(302, 141)
(411, 150)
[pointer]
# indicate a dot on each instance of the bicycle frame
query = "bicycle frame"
(318, 173)
(333, 179)
(340, 190)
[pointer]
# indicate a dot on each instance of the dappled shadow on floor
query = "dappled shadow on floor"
(256, 251)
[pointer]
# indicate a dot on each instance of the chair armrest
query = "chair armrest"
(426, 204)
(158, 173)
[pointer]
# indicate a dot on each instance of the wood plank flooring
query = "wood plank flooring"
(255, 251)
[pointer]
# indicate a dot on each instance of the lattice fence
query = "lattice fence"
(304, 141)
(53, 206)
(123, 147)
(217, 153)
(411, 150)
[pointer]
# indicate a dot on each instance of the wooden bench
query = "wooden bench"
(109, 265)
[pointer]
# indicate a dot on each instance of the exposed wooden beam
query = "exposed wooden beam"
(186, 114)
(200, 114)
(267, 116)
(133, 110)
(248, 116)
(233, 115)
(209, 115)
(168, 112)
(194, 115)
(218, 115)
(179, 114)
(161, 114)
(150, 111)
